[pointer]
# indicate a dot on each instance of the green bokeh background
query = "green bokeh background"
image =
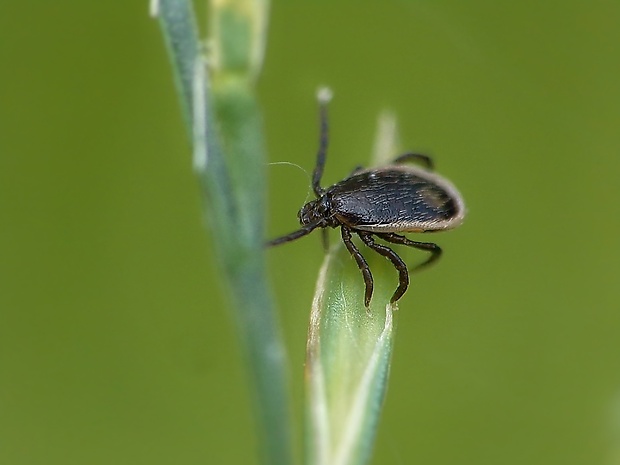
(115, 342)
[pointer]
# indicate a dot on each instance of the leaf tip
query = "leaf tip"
(154, 8)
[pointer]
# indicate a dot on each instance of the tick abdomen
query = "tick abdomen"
(396, 199)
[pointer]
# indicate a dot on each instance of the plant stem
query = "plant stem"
(223, 118)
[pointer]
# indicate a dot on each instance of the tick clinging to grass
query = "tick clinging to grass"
(380, 203)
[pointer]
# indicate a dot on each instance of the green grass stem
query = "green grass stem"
(224, 122)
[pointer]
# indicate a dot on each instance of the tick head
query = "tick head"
(314, 211)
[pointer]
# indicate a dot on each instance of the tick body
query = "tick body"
(381, 203)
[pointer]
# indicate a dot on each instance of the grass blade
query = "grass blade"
(224, 124)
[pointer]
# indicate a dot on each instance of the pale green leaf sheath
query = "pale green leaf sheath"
(348, 358)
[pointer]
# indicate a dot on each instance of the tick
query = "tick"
(380, 203)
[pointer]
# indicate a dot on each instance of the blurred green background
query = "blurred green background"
(115, 342)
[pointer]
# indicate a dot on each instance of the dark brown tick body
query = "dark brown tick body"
(381, 202)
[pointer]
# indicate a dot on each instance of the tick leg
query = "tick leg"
(361, 263)
(324, 96)
(434, 249)
(294, 235)
(398, 263)
(415, 157)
